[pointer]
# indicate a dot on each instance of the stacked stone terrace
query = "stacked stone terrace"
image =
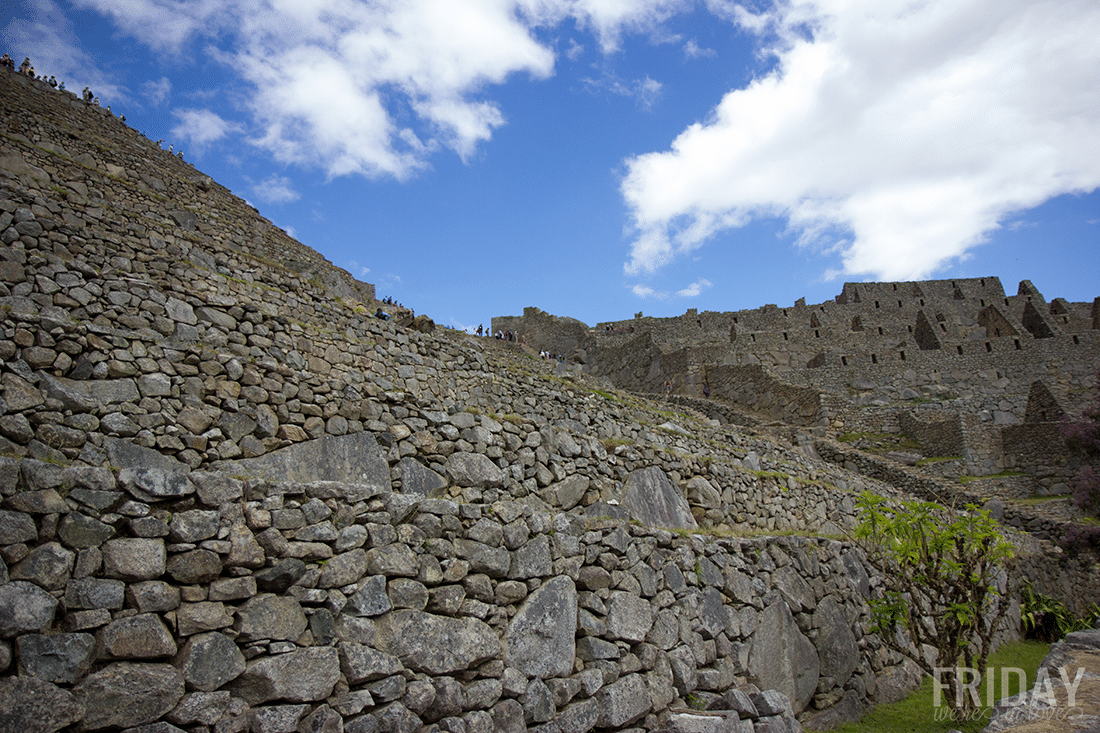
(954, 364)
(233, 501)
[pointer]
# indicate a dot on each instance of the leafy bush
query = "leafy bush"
(1081, 541)
(1048, 619)
(944, 580)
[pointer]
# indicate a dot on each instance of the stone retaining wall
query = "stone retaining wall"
(231, 604)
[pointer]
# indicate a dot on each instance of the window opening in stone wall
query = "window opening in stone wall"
(844, 361)
(700, 322)
(900, 305)
(753, 337)
(1076, 340)
(982, 282)
(943, 328)
(988, 347)
(880, 330)
(817, 334)
(982, 301)
(902, 355)
(874, 359)
(922, 302)
(876, 304)
(784, 335)
(1065, 319)
(1006, 301)
(784, 311)
(1017, 342)
(735, 319)
(960, 350)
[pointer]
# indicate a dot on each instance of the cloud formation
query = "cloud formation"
(376, 88)
(275, 189)
(48, 38)
(694, 289)
(200, 127)
(901, 132)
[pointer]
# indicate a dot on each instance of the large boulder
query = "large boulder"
(435, 644)
(782, 658)
(540, 641)
(127, 695)
(473, 469)
(354, 459)
(303, 675)
(30, 705)
(836, 644)
(650, 498)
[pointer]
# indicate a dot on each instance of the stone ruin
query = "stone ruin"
(957, 366)
(233, 500)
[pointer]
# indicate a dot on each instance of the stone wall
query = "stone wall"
(230, 604)
(233, 500)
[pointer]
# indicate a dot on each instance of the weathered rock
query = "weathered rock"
(208, 661)
(16, 527)
(48, 566)
(151, 484)
(24, 607)
(30, 705)
(196, 567)
(204, 708)
(566, 494)
(419, 480)
(623, 702)
(435, 644)
(303, 675)
(96, 593)
(836, 644)
(268, 616)
(473, 469)
(125, 694)
(137, 637)
(651, 499)
(782, 658)
(628, 617)
(540, 638)
(361, 663)
(133, 559)
(81, 532)
(354, 459)
(343, 569)
(59, 658)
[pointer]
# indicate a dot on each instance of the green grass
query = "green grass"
(915, 714)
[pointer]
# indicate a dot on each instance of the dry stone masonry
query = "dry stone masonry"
(232, 500)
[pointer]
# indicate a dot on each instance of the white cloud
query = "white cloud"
(643, 91)
(377, 88)
(644, 291)
(694, 289)
(358, 270)
(157, 91)
(275, 190)
(693, 51)
(200, 127)
(906, 131)
(46, 36)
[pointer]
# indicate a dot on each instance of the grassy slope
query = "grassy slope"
(915, 713)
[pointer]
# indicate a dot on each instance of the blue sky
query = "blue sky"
(596, 158)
